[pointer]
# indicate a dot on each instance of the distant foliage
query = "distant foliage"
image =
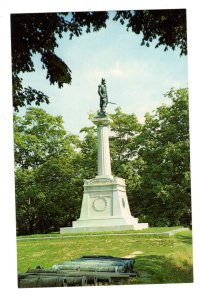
(163, 195)
(48, 190)
(154, 158)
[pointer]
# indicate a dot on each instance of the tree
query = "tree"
(124, 129)
(153, 158)
(46, 185)
(163, 196)
(47, 197)
(88, 153)
(167, 26)
(38, 33)
(39, 136)
(26, 196)
(57, 179)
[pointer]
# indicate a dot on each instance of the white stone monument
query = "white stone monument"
(105, 204)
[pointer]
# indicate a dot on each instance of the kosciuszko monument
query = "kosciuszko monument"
(105, 204)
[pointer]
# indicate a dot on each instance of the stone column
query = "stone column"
(105, 203)
(104, 165)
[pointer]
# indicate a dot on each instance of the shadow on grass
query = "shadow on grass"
(185, 239)
(160, 269)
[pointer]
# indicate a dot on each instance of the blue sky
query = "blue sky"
(136, 76)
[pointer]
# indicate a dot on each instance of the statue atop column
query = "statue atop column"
(105, 204)
(102, 91)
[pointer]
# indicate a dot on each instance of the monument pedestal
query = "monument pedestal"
(105, 207)
(105, 204)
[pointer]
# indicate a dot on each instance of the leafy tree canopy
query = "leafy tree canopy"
(40, 136)
(164, 167)
(167, 26)
(153, 158)
(38, 33)
(47, 190)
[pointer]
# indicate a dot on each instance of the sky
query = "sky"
(136, 76)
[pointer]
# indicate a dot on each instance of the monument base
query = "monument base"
(105, 207)
(138, 226)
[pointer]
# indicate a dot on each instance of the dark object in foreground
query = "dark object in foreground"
(86, 270)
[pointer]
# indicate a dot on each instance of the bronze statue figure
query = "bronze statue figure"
(102, 91)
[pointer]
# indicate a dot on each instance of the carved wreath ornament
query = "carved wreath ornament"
(99, 204)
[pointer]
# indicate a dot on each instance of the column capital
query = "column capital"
(101, 121)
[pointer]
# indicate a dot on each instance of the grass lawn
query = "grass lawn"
(159, 258)
(147, 230)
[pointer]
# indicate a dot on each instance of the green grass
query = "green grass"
(147, 230)
(162, 259)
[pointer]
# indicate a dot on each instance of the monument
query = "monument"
(105, 205)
